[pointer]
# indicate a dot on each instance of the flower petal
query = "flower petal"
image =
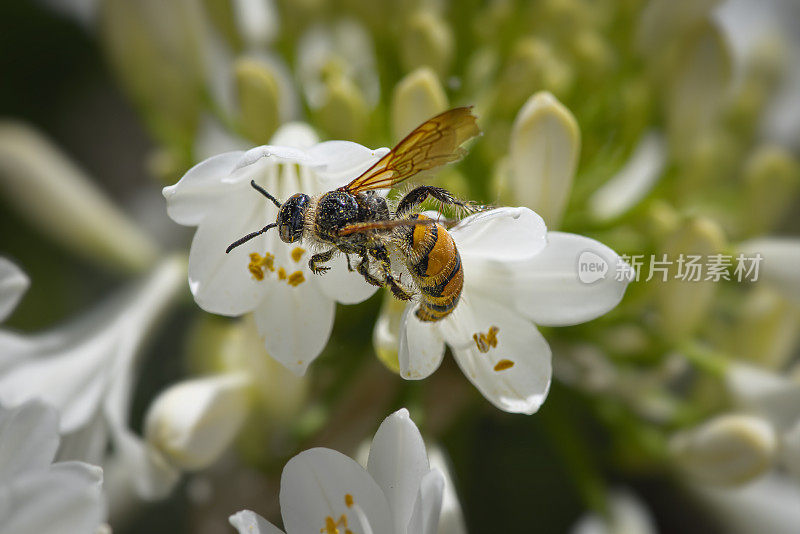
(295, 323)
(222, 283)
(28, 438)
(343, 161)
(342, 285)
(398, 462)
(198, 192)
(552, 291)
(428, 504)
(13, 284)
(515, 374)
(421, 347)
(633, 181)
(247, 522)
(315, 485)
(500, 235)
(781, 256)
(66, 498)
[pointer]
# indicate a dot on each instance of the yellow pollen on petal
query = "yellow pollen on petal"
(281, 274)
(332, 526)
(258, 264)
(296, 278)
(297, 253)
(486, 341)
(502, 365)
(348, 500)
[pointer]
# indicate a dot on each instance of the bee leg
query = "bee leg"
(317, 259)
(417, 196)
(363, 270)
(349, 266)
(382, 255)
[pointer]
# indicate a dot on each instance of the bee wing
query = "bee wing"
(434, 142)
(383, 225)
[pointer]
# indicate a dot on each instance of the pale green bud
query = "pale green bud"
(427, 41)
(532, 66)
(156, 50)
(259, 99)
(57, 197)
(772, 183)
(664, 22)
(766, 330)
(697, 87)
(417, 97)
(594, 54)
(661, 220)
(543, 155)
(344, 113)
(684, 303)
(779, 265)
(728, 450)
(193, 422)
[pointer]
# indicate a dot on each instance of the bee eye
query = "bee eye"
(291, 218)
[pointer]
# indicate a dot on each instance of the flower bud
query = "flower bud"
(545, 143)
(532, 66)
(259, 99)
(779, 265)
(193, 422)
(417, 97)
(697, 88)
(344, 113)
(156, 50)
(772, 181)
(59, 199)
(728, 450)
(427, 41)
(683, 301)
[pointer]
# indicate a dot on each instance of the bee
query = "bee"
(355, 220)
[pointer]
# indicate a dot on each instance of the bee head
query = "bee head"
(291, 217)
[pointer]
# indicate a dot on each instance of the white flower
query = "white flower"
(293, 308)
(37, 495)
(86, 370)
(13, 284)
(323, 490)
(515, 274)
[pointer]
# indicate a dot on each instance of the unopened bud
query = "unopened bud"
(772, 181)
(728, 450)
(683, 296)
(54, 195)
(780, 258)
(417, 97)
(259, 99)
(427, 41)
(344, 113)
(532, 66)
(545, 143)
(193, 422)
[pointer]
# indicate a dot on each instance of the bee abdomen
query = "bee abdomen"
(435, 264)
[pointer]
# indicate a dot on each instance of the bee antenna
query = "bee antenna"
(264, 192)
(248, 237)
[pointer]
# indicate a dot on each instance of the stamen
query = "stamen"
(332, 527)
(296, 278)
(297, 253)
(258, 264)
(348, 500)
(502, 365)
(486, 341)
(281, 274)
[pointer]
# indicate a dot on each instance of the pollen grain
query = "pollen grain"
(502, 365)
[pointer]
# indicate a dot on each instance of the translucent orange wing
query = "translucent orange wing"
(392, 223)
(433, 143)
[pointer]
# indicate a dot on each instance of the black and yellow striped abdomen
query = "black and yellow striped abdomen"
(435, 265)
